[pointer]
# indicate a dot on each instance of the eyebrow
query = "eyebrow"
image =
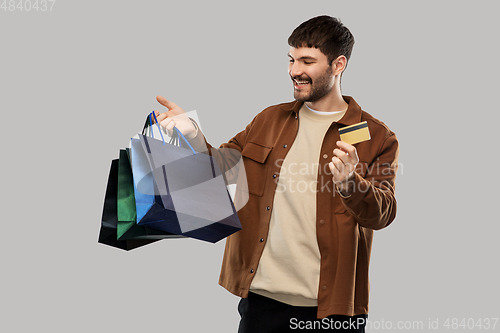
(303, 58)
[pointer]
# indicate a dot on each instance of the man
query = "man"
(301, 260)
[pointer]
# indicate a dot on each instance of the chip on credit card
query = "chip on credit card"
(355, 133)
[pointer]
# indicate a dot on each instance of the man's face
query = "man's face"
(311, 74)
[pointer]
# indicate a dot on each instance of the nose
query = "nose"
(294, 69)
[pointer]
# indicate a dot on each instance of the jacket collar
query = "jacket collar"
(352, 115)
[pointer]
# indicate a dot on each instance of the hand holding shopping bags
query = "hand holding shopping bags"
(175, 117)
(192, 186)
(176, 193)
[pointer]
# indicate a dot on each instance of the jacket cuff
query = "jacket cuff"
(198, 141)
(358, 193)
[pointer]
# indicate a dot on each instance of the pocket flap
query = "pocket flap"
(256, 152)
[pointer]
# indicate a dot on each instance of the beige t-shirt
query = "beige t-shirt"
(289, 268)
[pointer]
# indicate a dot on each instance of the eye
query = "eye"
(308, 62)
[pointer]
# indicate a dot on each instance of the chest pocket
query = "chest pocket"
(255, 157)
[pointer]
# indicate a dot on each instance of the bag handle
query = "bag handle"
(185, 140)
(175, 140)
(146, 124)
(157, 124)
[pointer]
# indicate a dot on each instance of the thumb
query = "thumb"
(166, 103)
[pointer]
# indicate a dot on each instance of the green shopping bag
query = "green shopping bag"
(109, 221)
(127, 227)
(126, 201)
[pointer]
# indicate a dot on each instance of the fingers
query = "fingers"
(343, 162)
(350, 149)
(168, 124)
(339, 172)
(166, 103)
(160, 116)
(337, 166)
(347, 153)
(333, 170)
(170, 127)
(342, 155)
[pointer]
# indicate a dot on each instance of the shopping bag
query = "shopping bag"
(147, 202)
(126, 210)
(149, 207)
(191, 189)
(109, 221)
(127, 227)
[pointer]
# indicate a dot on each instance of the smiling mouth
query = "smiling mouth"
(299, 84)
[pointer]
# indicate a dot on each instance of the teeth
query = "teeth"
(302, 82)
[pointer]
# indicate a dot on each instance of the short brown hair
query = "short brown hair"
(325, 33)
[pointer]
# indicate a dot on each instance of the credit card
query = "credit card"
(355, 133)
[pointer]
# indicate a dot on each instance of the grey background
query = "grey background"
(77, 82)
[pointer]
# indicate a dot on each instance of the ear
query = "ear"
(339, 64)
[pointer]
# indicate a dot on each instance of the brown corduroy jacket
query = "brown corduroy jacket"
(344, 225)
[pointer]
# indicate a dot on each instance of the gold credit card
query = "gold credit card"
(355, 133)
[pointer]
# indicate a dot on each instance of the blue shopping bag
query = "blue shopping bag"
(147, 201)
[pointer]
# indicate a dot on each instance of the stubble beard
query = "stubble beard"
(318, 89)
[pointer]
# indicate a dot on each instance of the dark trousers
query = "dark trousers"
(261, 314)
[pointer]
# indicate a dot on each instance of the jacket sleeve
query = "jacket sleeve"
(373, 203)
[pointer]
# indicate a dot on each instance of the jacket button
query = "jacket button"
(284, 146)
(323, 287)
(321, 221)
(268, 208)
(251, 271)
(325, 156)
(274, 176)
(261, 240)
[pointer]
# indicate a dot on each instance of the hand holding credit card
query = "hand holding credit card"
(355, 133)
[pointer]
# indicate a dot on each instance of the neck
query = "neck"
(333, 101)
